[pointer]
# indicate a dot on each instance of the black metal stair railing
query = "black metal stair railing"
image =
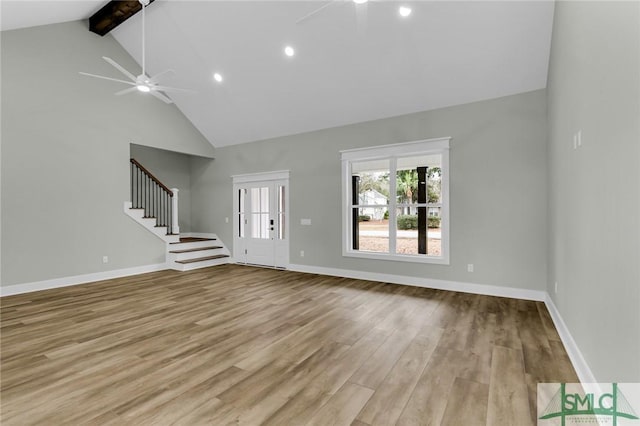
(148, 193)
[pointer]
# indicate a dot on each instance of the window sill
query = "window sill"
(398, 257)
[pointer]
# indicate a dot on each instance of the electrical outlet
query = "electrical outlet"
(105, 259)
(226, 220)
(470, 267)
(301, 253)
(556, 287)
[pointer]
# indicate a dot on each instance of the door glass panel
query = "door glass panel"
(281, 213)
(264, 225)
(264, 200)
(255, 200)
(260, 213)
(241, 215)
(260, 225)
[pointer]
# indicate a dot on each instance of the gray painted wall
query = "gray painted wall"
(65, 155)
(498, 189)
(172, 169)
(594, 191)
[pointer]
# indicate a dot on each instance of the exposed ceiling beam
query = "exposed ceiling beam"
(113, 14)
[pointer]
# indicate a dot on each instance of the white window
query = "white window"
(396, 201)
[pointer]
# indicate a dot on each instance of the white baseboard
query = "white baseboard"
(575, 355)
(489, 290)
(78, 279)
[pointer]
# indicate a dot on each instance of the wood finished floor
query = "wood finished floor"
(242, 345)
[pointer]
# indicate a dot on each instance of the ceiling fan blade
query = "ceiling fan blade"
(156, 78)
(120, 68)
(107, 78)
(125, 91)
(172, 89)
(162, 97)
(310, 14)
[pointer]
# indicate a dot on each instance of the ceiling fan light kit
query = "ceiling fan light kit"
(142, 83)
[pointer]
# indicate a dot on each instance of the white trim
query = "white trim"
(575, 355)
(484, 289)
(149, 223)
(395, 257)
(79, 279)
(175, 223)
(438, 146)
(256, 177)
(397, 149)
(281, 247)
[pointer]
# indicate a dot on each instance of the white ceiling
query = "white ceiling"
(353, 62)
(26, 13)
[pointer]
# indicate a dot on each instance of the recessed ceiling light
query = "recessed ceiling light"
(360, 1)
(404, 11)
(143, 88)
(217, 77)
(289, 51)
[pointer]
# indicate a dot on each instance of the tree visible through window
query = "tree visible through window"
(397, 203)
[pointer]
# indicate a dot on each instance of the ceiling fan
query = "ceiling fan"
(142, 83)
(324, 6)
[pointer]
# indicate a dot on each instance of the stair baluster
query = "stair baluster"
(158, 201)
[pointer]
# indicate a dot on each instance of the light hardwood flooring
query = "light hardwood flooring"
(244, 345)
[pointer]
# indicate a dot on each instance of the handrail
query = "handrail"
(157, 200)
(151, 176)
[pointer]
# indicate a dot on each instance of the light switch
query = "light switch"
(305, 222)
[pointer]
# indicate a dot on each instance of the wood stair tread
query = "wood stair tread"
(202, 259)
(192, 240)
(196, 249)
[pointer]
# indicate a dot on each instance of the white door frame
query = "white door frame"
(281, 247)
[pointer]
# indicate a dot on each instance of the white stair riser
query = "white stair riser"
(194, 244)
(198, 265)
(149, 223)
(137, 213)
(161, 232)
(172, 257)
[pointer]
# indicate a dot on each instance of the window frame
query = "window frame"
(392, 152)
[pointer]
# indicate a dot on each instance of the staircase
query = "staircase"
(155, 207)
(196, 252)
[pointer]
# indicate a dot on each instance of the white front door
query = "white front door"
(261, 222)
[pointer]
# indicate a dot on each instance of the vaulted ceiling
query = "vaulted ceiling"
(352, 62)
